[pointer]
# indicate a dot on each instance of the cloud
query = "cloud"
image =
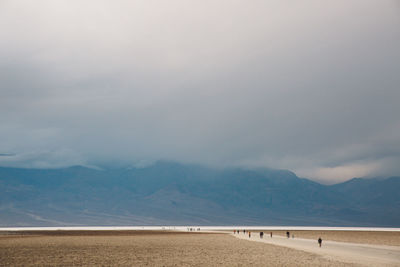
(331, 175)
(278, 84)
(43, 159)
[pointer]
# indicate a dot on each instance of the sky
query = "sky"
(309, 86)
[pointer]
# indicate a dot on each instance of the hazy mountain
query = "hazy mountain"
(171, 193)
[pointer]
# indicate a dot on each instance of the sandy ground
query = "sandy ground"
(365, 254)
(136, 248)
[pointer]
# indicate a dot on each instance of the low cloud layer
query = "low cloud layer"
(304, 86)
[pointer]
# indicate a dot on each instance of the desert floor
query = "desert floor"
(146, 248)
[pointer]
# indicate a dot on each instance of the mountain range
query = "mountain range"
(169, 193)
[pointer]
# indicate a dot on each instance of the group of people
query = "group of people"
(249, 233)
(262, 235)
(244, 232)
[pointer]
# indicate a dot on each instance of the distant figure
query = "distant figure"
(238, 231)
(271, 234)
(249, 234)
(261, 234)
(320, 241)
(288, 234)
(244, 231)
(234, 231)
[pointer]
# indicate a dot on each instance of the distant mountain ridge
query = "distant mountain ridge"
(175, 194)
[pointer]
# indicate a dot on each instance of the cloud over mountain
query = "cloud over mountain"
(309, 87)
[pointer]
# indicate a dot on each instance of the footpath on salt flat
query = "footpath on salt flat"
(365, 254)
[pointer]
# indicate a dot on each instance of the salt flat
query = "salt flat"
(204, 228)
(365, 254)
(177, 245)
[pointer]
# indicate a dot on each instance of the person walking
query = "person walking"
(271, 234)
(261, 234)
(249, 234)
(288, 234)
(320, 242)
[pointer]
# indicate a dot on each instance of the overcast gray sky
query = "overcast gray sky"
(310, 86)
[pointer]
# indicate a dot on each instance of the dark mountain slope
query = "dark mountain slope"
(171, 193)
